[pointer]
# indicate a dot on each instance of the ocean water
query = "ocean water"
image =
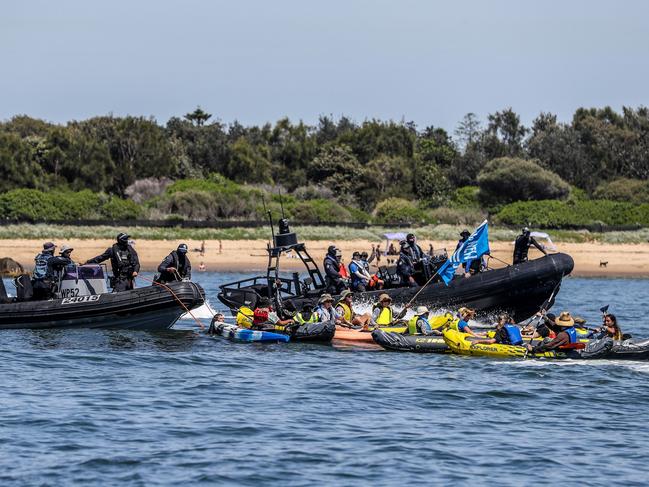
(181, 408)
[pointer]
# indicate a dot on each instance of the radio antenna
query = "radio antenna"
(281, 202)
(270, 217)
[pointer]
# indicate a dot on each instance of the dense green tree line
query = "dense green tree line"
(599, 154)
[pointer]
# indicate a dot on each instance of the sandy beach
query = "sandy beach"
(623, 260)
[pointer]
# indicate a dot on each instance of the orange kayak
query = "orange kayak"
(351, 335)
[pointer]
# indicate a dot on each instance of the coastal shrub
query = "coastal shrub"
(31, 204)
(456, 216)
(624, 189)
(466, 197)
(147, 188)
(320, 211)
(552, 213)
(119, 209)
(313, 192)
(506, 180)
(398, 210)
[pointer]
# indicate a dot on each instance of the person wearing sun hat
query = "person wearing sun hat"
(325, 309)
(567, 334)
(462, 325)
(345, 311)
(419, 324)
(383, 314)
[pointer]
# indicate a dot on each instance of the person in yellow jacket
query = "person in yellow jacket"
(346, 314)
(419, 324)
(307, 315)
(382, 313)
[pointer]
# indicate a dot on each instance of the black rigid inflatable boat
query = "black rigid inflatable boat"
(145, 308)
(410, 343)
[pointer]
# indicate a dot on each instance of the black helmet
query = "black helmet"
(123, 238)
(410, 238)
(332, 250)
(525, 230)
(356, 254)
(182, 248)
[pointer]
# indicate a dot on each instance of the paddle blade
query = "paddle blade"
(604, 309)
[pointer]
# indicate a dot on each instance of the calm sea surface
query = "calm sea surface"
(138, 408)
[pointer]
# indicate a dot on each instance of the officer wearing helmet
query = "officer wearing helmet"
(406, 265)
(123, 260)
(522, 245)
(415, 250)
(176, 266)
(333, 279)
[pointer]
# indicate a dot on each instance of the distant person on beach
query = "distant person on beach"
(176, 266)
(202, 251)
(124, 262)
(201, 267)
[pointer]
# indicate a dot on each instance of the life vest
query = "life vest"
(385, 316)
(342, 270)
(347, 311)
(312, 319)
(572, 334)
(41, 270)
(260, 315)
(514, 334)
(245, 317)
(412, 325)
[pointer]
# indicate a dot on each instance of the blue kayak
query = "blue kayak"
(236, 333)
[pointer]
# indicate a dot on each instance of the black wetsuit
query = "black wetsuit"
(334, 281)
(124, 261)
(522, 245)
(180, 262)
(406, 269)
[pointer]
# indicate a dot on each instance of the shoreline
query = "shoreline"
(623, 260)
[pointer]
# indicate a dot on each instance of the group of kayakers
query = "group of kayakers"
(125, 264)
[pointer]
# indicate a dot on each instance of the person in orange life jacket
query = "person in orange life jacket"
(374, 282)
(342, 268)
(124, 262)
(264, 314)
(333, 279)
(360, 277)
(345, 311)
(176, 266)
(567, 335)
(406, 266)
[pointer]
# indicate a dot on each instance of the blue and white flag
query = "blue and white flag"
(472, 248)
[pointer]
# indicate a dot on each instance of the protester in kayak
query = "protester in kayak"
(306, 315)
(406, 266)
(124, 262)
(325, 309)
(506, 333)
(462, 325)
(359, 276)
(382, 313)
(522, 245)
(333, 279)
(264, 315)
(419, 324)
(217, 319)
(611, 329)
(42, 277)
(567, 335)
(176, 266)
(346, 314)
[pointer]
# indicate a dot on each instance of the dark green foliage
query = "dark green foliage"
(432, 186)
(323, 211)
(506, 180)
(573, 213)
(466, 197)
(398, 210)
(337, 168)
(624, 189)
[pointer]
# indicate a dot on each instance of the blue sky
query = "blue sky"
(258, 61)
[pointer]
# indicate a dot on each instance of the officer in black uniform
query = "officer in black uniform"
(333, 279)
(522, 245)
(176, 266)
(123, 260)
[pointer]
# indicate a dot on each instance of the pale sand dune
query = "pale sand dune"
(624, 260)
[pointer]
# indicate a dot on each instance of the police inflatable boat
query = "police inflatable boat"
(82, 300)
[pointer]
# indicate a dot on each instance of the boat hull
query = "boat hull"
(148, 308)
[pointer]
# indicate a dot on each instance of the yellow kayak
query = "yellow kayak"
(464, 344)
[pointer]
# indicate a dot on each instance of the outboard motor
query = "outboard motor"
(82, 280)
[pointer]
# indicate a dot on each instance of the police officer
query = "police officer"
(58, 264)
(333, 279)
(42, 277)
(176, 266)
(415, 250)
(123, 260)
(406, 266)
(522, 245)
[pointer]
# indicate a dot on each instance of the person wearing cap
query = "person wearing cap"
(346, 314)
(58, 263)
(333, 279)
(176, 266)
(382, 313)
(360, 276)
(464, 235)
(522, 245)
(567, 335)
(42, 275)
(374, 282)
(419, 324)
(124, 262)
(406, 265)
